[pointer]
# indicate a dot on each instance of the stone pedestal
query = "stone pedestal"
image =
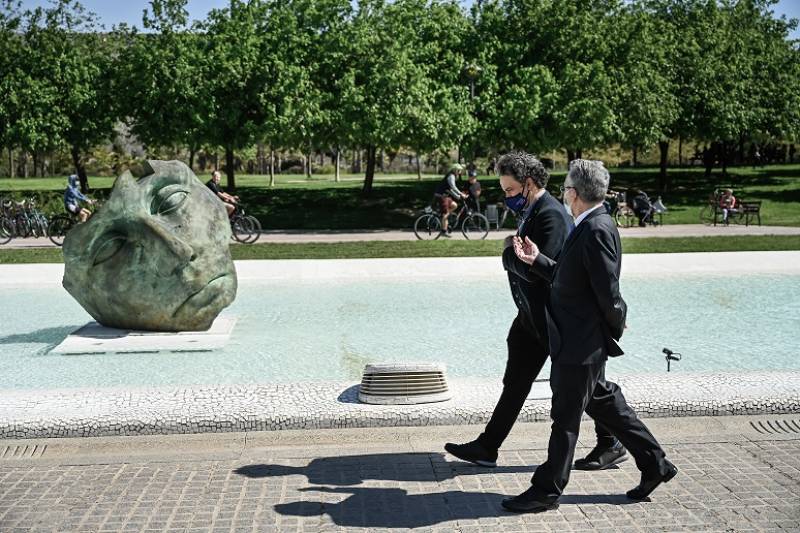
(94, 338)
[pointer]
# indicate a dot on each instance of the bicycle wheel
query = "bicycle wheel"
(707, 214)
(39, 226)
(242, 228)
(6, 230)
(475, 227)
(624, 218)
(22, 226)
(58, 228)
(427, 227)
(256, 229)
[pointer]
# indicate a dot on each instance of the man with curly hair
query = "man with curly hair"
(544, 220)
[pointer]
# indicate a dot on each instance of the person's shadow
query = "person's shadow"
(374, 507)
(354, 469)
(395, 508)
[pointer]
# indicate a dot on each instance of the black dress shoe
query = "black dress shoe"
(527, 503)
(649, 483)
(473, 452)
(602, 457)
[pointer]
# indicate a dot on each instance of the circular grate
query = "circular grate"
(403, 383)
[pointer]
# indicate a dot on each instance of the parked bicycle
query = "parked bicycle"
(21, 219)
(245, 228)
(428, 226)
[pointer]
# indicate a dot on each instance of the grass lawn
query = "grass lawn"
(392, 249)
(319, 203)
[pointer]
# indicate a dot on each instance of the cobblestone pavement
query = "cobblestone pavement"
(389, 479)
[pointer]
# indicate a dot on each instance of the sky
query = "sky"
(113, 12)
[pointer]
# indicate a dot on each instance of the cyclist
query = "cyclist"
(73, 197)
(474, 191)
(447, 193)
(228, 200)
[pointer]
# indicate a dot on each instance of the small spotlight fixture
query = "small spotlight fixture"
(671, 356)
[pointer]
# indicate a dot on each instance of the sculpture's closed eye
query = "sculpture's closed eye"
(109, 249)
(168, 199)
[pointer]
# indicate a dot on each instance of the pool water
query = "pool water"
(330, 330)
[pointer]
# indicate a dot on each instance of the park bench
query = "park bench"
(750, 209)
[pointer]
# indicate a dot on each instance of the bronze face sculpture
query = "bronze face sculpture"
(155, 256)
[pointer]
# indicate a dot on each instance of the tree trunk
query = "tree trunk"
(724, 157)
(680, 151)
(260, 158)
(370, 175)
(216, 161)
(11, 173)
(381, 163)
(25, 165)
(271, 167)
(578, 154)
(230, 168)
(192, 153)
(308, 164)
(635, 157)
(36, 157)
(741, 150)
(663, 147)
(338, 160)
(419, 167)
(80, 169)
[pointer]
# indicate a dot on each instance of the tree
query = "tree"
(75, 61)
(553, 82)
(12, 73)
(233, 49)
(646, 99)
(165, 78)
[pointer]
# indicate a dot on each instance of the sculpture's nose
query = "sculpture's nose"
(182, 250)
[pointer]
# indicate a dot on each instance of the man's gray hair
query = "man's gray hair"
(522, 165)
(590, 179)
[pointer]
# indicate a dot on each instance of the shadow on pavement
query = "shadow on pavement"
(395, 508)
(355, 469)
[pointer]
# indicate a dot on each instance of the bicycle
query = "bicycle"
(711, 210)
(428, 226)
(624, 215)
(59, 226)
(245, 228)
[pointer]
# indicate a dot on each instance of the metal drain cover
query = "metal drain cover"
(775, 427)
(404, 384)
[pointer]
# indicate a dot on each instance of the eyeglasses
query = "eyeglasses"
(563, 188)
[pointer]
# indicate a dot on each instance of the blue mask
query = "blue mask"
(517, 202)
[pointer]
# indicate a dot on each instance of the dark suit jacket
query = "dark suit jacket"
(548, 226)
(586, 314)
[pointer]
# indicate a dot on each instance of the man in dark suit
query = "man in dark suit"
(586, 318)
(524, 179)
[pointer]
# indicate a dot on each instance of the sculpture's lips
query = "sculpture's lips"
(205, 296)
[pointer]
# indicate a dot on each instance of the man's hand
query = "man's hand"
(526, 250)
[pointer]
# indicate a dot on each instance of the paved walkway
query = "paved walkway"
(736, 474)
(299, 236)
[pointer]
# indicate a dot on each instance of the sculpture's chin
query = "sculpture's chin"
(198, 311)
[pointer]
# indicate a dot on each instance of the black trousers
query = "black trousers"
(527, 354)
(579, 388)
